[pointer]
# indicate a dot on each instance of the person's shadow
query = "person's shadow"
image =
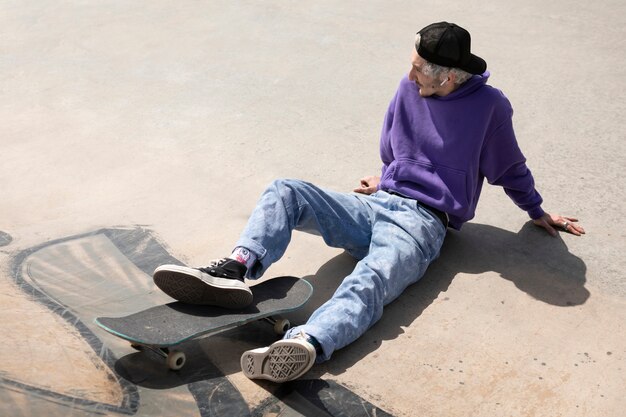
(536, 263)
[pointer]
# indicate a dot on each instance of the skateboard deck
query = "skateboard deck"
(161, 327)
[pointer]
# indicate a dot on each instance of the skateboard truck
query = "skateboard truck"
(280, 325)
(175, 359)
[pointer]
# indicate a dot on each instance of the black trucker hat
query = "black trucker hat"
(449, 45)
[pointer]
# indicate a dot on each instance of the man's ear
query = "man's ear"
(451, 77)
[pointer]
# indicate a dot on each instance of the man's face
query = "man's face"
(428, 85)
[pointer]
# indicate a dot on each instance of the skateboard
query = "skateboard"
(165, 326)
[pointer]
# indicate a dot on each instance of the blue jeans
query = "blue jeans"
(394, 239)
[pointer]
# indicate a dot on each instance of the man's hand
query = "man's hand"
(369, 185)
(567, 224)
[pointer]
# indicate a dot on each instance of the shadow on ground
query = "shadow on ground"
(536, 263)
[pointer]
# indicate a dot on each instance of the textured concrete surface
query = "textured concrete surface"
(138, 132)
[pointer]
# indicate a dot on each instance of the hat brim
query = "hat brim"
(476, 65)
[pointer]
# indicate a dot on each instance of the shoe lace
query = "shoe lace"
(213, 264)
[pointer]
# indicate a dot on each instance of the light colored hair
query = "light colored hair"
(440, 72)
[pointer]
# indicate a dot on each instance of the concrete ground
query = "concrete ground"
(135, 133)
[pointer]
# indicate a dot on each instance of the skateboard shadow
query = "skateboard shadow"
(149, 371)
(536, 263)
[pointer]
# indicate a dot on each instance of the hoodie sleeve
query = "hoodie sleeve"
(386, 151)
(503, 164)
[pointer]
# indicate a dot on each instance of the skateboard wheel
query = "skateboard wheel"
(281, 326)
(176, 360)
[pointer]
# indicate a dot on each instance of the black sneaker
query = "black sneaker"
(219, 284)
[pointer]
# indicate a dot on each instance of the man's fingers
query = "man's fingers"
(364, 190)
(568, 224)
(553, 222)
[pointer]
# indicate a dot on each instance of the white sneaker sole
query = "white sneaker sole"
(195, 287)
(283, 361)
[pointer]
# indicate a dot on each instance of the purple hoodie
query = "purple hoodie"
(438, 150)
